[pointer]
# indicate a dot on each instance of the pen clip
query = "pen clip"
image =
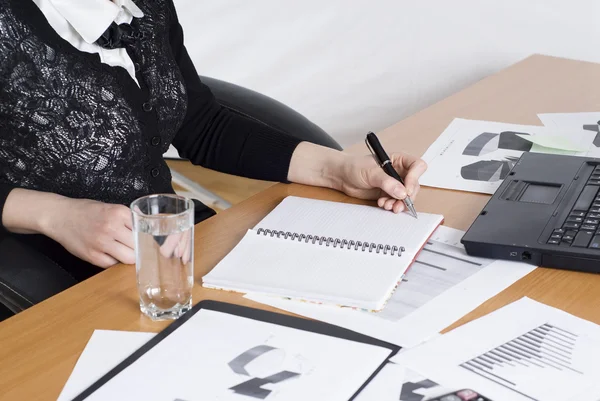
(372, 152)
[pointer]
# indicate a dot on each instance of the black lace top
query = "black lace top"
(74, 126)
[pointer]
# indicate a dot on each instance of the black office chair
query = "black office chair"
(268, 111)
(27, 277)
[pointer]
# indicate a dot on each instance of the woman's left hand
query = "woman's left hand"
(357, 176)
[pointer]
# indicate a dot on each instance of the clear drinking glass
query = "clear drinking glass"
(163, 227)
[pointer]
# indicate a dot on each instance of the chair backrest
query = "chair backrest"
(268, 111)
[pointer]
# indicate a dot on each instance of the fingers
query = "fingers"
(123, 213)
(125, 237)
(398, 206)
(379, 179)
(170, 247)
(122, 245)
(392, 204)
(389, 204)
(187, 248)
(120, 252)
(103, 260)
(415, 191)
(412, 168)
(177, 245)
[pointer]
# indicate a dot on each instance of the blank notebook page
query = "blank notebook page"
(351, 222)
(281, 267)
(276, 264)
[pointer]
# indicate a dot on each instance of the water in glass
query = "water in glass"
(164, 263)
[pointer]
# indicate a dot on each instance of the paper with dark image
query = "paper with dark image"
(525, 351)
(477, 156)
(219, 356)
(397, 383)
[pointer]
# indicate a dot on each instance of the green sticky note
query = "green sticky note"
(553, 142)
(553, 151)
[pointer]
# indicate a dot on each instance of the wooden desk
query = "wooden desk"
(39, 347)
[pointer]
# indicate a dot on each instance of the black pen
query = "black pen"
(386, 164)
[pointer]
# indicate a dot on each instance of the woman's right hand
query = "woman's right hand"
(99, 233)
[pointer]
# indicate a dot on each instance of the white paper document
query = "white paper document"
(574, 122)
(441, 286)
(524, 351)
(417, 387)
(476, 156)
(107, 348)
(219, 356)
(104, 350)
(386, 386)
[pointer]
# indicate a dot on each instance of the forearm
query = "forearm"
(28, 212)
(317, 165)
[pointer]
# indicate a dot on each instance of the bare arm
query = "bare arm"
(29, 212)
(97, 232)
(357, 176)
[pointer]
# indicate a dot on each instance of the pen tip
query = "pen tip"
(413, 213)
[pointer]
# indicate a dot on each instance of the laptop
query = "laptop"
(546, 212)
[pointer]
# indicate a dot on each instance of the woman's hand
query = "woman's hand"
(362, 178)
(96, 232)
(357, 176)
(99, 233)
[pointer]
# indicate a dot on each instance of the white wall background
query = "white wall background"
(357, 65)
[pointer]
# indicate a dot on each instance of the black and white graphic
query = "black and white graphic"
(488, 170)
(416, 387)
(594, 128)
(476, 156)
(253, 387)
(525, 351)
(546, 347)
(488, 142)
(410, 390)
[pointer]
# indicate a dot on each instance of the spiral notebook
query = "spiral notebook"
(325, 252)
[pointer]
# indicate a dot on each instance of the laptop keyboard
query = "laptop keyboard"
(582, 228)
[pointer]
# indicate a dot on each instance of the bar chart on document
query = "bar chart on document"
(441, 265)
(525, 351)
(442, 274)
(547, 354)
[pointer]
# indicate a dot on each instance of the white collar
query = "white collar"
(90, 18)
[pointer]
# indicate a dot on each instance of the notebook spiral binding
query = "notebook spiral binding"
(335, 242)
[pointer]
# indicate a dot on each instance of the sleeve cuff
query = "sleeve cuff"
(5, 189)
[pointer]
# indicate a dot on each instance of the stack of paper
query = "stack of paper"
(107, 348)
(442, 275)
(227, 353)
(522, 352)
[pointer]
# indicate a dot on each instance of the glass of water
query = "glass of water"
(163, 227)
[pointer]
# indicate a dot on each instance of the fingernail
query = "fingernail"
(400, 193)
